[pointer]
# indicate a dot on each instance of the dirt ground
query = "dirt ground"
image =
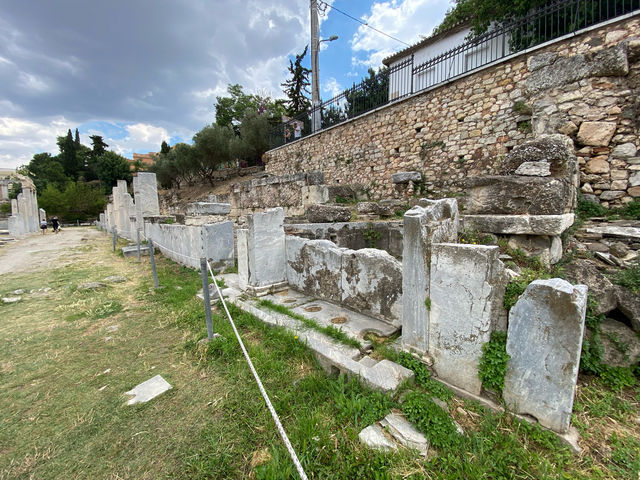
(44, 252)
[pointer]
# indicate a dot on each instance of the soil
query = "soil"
(43, 252)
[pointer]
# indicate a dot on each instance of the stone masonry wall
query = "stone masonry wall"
(586, 87)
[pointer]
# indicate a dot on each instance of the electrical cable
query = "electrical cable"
(362, 22)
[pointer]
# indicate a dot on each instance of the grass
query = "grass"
(56, 421)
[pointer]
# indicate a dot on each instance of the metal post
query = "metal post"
(205, 296)
(315, 74)
(115, 238)
(153, 264)
(138, 235)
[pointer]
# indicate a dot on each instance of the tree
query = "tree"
(77, 201)
(45, 170)
(372, 92)
(296, 87)
(98, 145)
(67, 156)
(77, 140)
(231, 110)
(254, 138)
(164, 147)
(111, 168)
(212, 149)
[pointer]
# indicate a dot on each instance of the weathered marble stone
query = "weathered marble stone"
(403, 431)
(217, 244)
(582, 271)
(534, 169)
(315, 267)
(367, 208)
(372, 283)
(609, 195)
(406, 177)
(148, 390)
(613, 334)
(519, 224)
(554, 150)
(629, 304)
(467, 291)
(596, 134)
(266, 248)
(327, 213)
(514, 195)
(634, 179)
(145, 193)
(434, 221)
(373, 437)
(208, 208)
(91, 285)
(544, 342)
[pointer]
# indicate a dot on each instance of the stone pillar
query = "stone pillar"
(433, 221)
(110, 217)
(261, 252)
(467, 292)
(42, 214)
(544, 342)
(145, 192)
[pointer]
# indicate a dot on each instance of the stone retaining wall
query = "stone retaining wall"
(586, 87)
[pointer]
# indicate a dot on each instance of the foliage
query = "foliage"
(98, 146)
(164, 147)
(111, 168)
(44, 170)
(232, 109)
(78, 201)
(254, 137)
(5, 207)
(212, 148)
(516, 287)
(629, 277)
(297, 85)
(371, 236)
(431, 419)
(493, 363)
(522, 108)
(472, 237)
(372, 92)
(67, 157)
(15, 188)
(422, 374)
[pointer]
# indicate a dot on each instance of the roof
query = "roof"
(425, 42)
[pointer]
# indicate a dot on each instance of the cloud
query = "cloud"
(332, 87)
(406, 20)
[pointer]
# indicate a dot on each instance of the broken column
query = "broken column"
(261, 253)
(544, 342)
(467, 293)
(432, 221)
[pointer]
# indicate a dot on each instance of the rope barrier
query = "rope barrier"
(272, 410)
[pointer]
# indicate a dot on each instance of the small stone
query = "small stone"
(11, 299)
(18, 292)
(596, 134)
(374, 437)
(597, 165)
(619, 249)
(148, 390)
(91, 286)
(605, 257)
(611, 195)
(406, 177)
(114, 279)
(626, 150)
(537, 169)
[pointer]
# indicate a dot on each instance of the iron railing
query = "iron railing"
(553, 20)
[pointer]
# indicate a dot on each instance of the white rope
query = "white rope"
(161, 247)
(279, 426)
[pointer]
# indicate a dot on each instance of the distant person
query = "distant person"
(43, 226)
(55, 223)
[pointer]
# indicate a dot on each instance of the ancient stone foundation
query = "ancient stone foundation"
(25, 217)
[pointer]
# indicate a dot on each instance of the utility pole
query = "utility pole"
(315, 74)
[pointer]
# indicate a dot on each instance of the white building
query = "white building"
(441, 57)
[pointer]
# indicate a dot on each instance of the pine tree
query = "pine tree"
(165, 148)
(77, 138)
(296, 87)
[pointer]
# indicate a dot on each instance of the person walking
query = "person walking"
(55, 223)
(43, 225)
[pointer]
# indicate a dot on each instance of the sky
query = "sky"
(138, 72)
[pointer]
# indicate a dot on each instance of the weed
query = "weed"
(371, 236)
(426, 146)
(493, 363)
(625, 456)
(431, 419)
(422, 374)
(522, 108)
(629, 277)
(516, 287)
(524, 126)
(473, 237)
(427, 303)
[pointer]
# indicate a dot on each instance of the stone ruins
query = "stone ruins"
(25, 215)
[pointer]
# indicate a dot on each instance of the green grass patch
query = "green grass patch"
(493, 363)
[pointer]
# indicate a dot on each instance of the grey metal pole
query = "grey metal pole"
(153, 264)
(315, 74)
(115, 238)
(138, 234)
(205, 295)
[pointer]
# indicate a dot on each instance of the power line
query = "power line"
(362, 22)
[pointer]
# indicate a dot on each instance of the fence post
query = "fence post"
(153, 264)
(115, 238)
(411, 70)
(138, 242)
(205, 296)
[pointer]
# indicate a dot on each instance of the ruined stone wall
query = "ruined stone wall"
(586, 87)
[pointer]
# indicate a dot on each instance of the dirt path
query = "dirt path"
(43, 252)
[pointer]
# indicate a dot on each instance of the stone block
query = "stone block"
(315, 267)
(597, 166)
(514, 195)
(405, 433)
(217, 244)
(406, 177)
(609, 195)
(519, 224)
(433, 221)
(467, 284)
(148, 390)
(208, 208)
(327, 213)
(373, 437)
(266, 248)
(554, 150)
(625, 150)
(610, 62)
(596, 134)
(544, 342)
(243, 258)
(371, 208)
(314, 194)
(372, 283)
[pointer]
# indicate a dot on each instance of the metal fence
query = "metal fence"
(555, 19)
